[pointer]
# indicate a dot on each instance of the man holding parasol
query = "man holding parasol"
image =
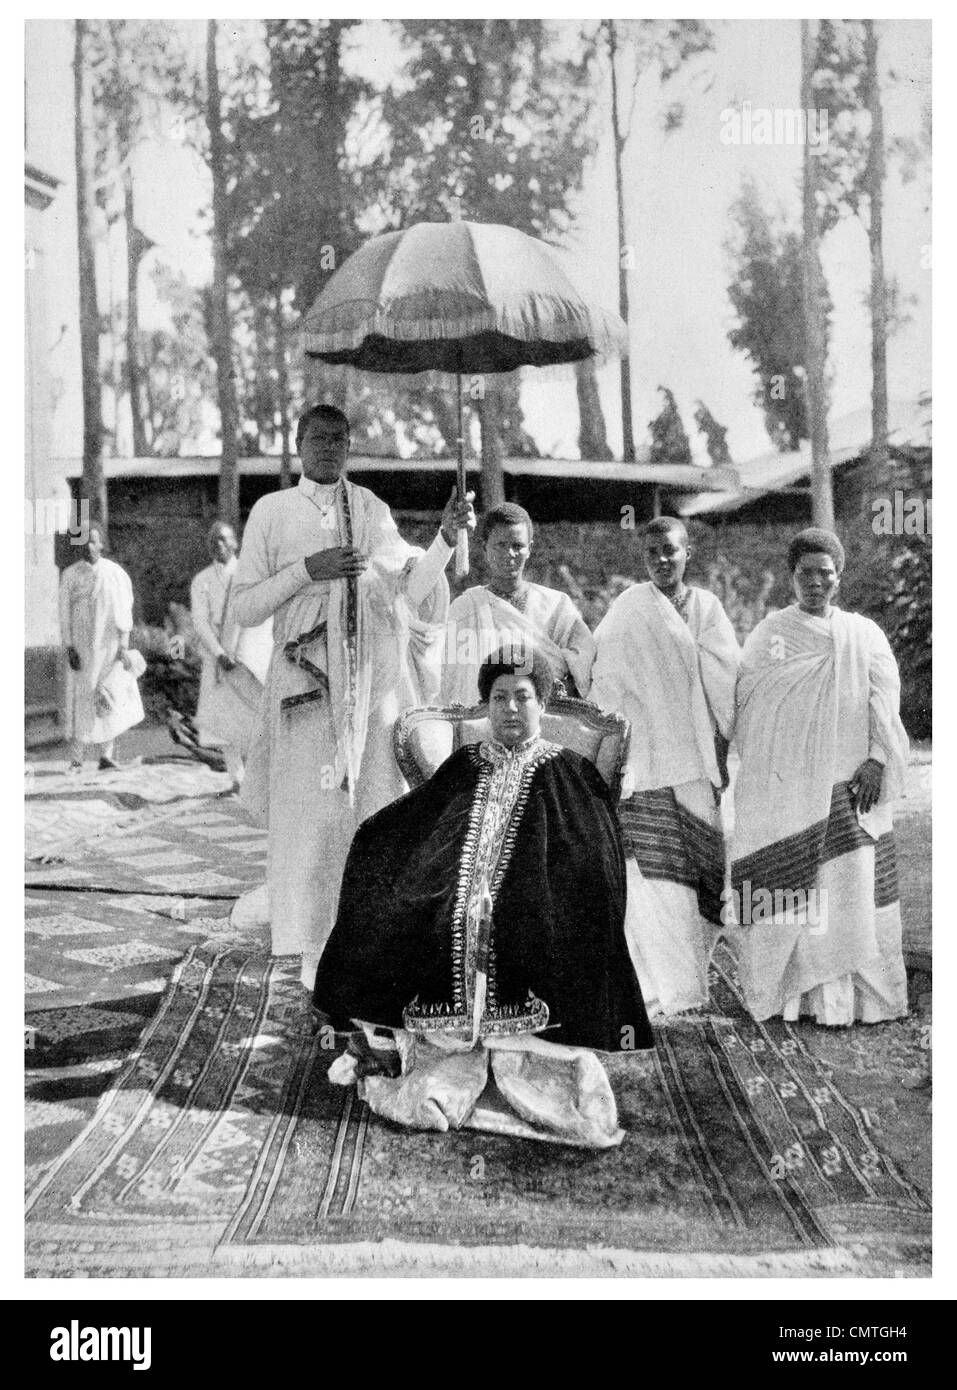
(358, 620)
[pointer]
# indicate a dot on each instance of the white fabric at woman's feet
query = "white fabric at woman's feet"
(670, 943)
(554, 1093)
(844, 966)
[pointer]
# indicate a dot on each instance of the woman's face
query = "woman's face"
(506, 552)
(815, 581)
(514, 711)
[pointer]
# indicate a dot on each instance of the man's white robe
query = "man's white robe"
(480, 623)
(221, 717)
(304, 753)
(816, 697)
(674, 681)
(96, 609)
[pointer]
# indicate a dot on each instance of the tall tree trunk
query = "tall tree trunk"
(94, 484)
(222, 335)
(134, 239)
(493, 479)
(592, 438)
(627, 425)
(875, 189)
(134, 374)
(446, 419)
(263, 387)
(282, 384)
(150, 410)
(116, 380)
(822, 500)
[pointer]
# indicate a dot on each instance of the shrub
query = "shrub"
(171, 679)
(909, 622)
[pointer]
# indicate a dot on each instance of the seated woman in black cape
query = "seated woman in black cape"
(479, 952)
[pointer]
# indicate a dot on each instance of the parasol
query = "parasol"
(458, 298)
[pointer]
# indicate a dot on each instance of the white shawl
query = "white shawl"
(672, 679)
(815, 698)
(480, 623)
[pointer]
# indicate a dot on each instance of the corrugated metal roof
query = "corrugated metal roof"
(681, 477)
(850, 436)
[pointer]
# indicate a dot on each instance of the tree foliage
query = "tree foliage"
(766, 295)
(141, 77)
(669, 438)
(292, 213)
(715, 436)
(491, 121)
(655, 48)
(179, 378)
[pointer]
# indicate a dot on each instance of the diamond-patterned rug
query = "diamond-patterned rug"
(210, 851)
(85, 947)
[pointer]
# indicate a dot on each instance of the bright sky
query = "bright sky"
(678, 189)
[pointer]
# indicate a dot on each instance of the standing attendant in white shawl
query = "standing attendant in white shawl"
(667, 660)
(223, 718)
(509, 612)
(358, 619)
(96, 619)
(823, 754)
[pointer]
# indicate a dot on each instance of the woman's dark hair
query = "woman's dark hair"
(815, 541)
(331, 413)
(518, 659)
(506, 514)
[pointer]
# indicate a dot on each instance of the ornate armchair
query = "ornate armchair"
(423, 738)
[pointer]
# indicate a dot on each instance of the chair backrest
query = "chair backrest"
(423, 738)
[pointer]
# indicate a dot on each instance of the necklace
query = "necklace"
(680, 600)
(324, 509)
(518, 599)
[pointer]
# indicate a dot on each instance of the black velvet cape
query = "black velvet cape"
(557, 931)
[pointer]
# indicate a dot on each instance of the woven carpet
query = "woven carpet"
(64, 811)
(206, 849)
(82, 948)
(216, 1146)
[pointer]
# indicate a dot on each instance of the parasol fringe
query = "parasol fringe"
(604, 334)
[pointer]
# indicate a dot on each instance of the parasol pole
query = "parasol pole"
(462, 540)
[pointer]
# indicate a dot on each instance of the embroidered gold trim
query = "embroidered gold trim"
(498, 805)
(530, 1017)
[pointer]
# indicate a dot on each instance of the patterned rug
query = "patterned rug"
(82, 948)
(63, 810)
(217, 1146)
(209, 849)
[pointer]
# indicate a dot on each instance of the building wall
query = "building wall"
(45, 492)
(43, 485)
